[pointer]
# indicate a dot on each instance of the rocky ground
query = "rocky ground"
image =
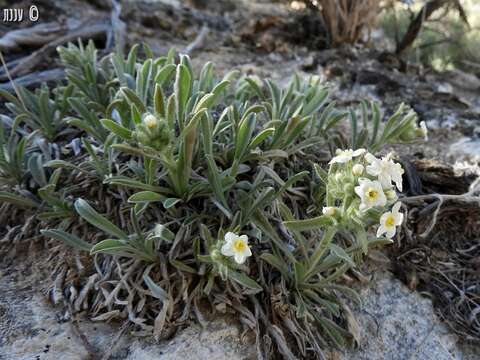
(393, 323)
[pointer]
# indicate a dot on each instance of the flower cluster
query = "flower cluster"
(153, 132)
(362, 187)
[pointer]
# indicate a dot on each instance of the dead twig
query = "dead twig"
(34, 36)
(469, 197)
(119, 28)
(198, 42)
(35, 78)
(85, 30)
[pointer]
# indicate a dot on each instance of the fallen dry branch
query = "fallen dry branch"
(35, 79)
(87, 30)
(445, 262)
(34, 36)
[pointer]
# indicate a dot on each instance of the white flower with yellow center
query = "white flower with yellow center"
(236, 246)
(386, 170)
(371, 193)
(389, 222)
(344, 156)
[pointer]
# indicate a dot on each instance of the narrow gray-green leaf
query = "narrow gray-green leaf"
(70, 239)
(94, 218)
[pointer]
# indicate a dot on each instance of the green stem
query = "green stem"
(320, 251)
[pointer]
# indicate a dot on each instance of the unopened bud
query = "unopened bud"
(422, 131)
(150, 121)
(329, 210)
(357, 169)
(216, 255)
(391, 194)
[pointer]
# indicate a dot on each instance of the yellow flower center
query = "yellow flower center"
(239, 245)
(390, 221)
(372, 194)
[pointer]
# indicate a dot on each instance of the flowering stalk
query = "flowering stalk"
(359, 192)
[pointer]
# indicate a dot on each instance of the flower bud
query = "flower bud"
(391, 195)
(329, 210)
(422, 131)
(150, 121)
(413, 131)
(216, 255)
(256, 79)
(153, 132)
(357, 169)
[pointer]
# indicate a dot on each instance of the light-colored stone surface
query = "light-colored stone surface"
(31, 329)
(399, 324)
(396, 324)
(465, 149)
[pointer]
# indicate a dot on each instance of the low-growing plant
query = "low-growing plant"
(39, 110)
(12, 157)
(222, 181)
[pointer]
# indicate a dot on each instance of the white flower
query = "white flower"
(329, 210)
(386, 170)
(357, 169)
(236, 246)
(344, 156)
(371, 193)
(389, 221)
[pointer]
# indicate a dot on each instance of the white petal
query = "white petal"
(381, 230)
(396, 172)
(344, 158)
(244, 238)
(396, 207)
(370, 158)
(227, 249)
(359, 191)
(391, 232)
(385, 180)
(247, 252)
(382, 201)
(397, 214)
(399, 219)
(340, 159)
(374, 169)
(359, 152)
(240, 258)
(230, 237)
